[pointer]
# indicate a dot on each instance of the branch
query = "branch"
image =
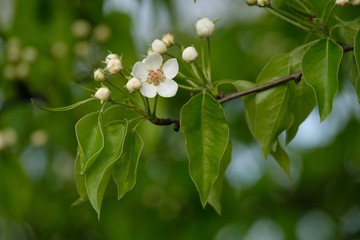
(296, 76)
(165, 122)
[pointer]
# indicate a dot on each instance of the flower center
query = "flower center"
(155, 77)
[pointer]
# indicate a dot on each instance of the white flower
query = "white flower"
(99, 75)
(168, 39)
(356, 2)
(103, 94)
(113, 63)
(342, 2)
(133, 84)
(263, 3)
(156, 77)
(159, 46)
(189, 54)
(204, 27)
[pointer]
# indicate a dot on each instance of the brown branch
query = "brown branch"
(296, 76)
(165, 122)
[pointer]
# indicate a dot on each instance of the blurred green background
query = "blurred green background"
(47, 46)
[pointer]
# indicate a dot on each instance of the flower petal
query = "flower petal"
(148, 90)
(170, 68)
(139, 71)
(153, 61)
(168, 88)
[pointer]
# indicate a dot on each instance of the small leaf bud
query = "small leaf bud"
(103, 94)
(159, 46)
(189, 54)
(168, 39)
(133, 85)
(99, 75)
(204, 27)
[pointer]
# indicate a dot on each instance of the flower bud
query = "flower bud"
(251, 2)
(189, 54)
(133, 84)
(159, 46)
(103, 94)
(204, 27)
(113, 63)
(263, 3)
(342, 2)
(99, 75)
(111, 56)
(168, 39)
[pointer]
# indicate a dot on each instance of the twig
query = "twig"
(165, 122)
(296, 76)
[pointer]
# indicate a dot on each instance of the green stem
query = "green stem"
(190, 88)
(203, 76)
(147, 106)
(209, 59)
(291, 19)
(155, 106)
(326, 13)
(130, 107)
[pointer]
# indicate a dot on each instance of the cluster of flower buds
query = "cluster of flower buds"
(152, 76)
(347, 2)
(113, 66)
(259, 3)
(161, 46)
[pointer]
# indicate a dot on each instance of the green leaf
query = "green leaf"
(60, 109)
(90, 139)
(304, 99)
(125, 169)
(215, 194)
(320, 67)
(282, 158)
(270, 112)
(357, 59)
(80, 180)
(98, 175)
(206, 133)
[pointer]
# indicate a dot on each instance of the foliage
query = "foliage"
(270, 111)
(113, 130)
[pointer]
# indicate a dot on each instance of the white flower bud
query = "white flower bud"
(99, 75)
(342, 2)
(204, 27)
(103, 94)
(111, 56)
(251, 2)
(168, 39)
(159, 46)
(113, 63)
(189, 54)
(263, 3)
(133, 84)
